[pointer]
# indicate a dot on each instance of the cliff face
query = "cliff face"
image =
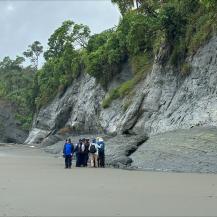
(77, 110)
(165, 100)
(10, 130)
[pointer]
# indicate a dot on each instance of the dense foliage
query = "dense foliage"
(182, 26)
(140, 33)
(33, 53)
(63, 60)
(16, 85)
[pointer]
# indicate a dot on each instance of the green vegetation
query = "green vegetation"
(16, 85)
(64, 61)
(33, 53)
(185, 69)
(141, 65)
(181, 26)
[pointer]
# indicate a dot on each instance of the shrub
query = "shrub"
(199, 32)
(126, 87)
(141, 65)
(112, 95)
(185, 69)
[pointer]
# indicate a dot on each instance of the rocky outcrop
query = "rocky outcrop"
(192, 150)
(76, 111)
(10, 130)
(165, 100)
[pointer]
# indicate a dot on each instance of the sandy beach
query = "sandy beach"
(34, 183)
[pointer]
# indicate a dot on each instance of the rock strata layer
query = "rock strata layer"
(165, 100)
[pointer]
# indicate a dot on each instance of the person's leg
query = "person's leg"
(95, 160)
(66, 162)
(70, 161)
(87, 158)
(103, 159)
(69, 157)
(91, 160)
(77, 160)
(99, 159)
(81, 159)
(94, 163)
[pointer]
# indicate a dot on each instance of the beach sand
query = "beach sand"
(33, 183)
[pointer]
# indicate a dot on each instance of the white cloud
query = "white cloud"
(10, 8)
(25, 21)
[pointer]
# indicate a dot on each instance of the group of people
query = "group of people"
(85, 150)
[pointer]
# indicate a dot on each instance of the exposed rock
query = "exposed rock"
(165, 100)
(125, 75)
(119, 148)
(36, 136)
(192, 150)
(174, 101)
(76, 109)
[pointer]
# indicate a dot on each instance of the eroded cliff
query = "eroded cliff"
(164, 101)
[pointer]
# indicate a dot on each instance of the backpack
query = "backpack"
(92, 149)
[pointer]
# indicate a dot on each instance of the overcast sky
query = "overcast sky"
(22, 22)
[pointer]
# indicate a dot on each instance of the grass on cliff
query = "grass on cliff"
(201, 26)
(141, 65)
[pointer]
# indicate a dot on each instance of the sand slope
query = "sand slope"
(34, 183)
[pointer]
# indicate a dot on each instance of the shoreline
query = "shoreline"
(25, 147)
(34, 183)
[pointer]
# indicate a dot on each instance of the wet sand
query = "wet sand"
(33, 183)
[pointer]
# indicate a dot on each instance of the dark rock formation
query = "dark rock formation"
(10, 130)
(192, 150)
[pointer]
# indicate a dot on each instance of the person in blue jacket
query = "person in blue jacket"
(67, 153)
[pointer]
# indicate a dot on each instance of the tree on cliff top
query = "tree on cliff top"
(68, 35)
(124, 5)
(33, 52)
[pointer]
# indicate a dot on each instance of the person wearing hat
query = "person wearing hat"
(101, 152)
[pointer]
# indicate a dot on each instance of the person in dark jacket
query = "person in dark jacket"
(78, 151)
(86, 151)
(101, 152)
(67, 153)
(82, 153)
